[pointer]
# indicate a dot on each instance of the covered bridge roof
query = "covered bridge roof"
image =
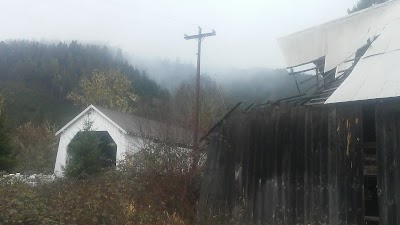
(137, 126)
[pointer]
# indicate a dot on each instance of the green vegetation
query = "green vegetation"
(213, 104)
(37, 77)
(110, 89)
(141, 191)
(35, 148)
(86, 154)
(6, 160)
(363, 4)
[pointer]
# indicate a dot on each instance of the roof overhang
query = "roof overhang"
(91, 107)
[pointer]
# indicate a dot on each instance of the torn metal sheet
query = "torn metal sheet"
(338, 40)
(377, 74)
(387, 42)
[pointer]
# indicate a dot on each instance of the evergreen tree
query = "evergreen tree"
(36, 78)
(84, 154)
(363, 4)
(6, 160)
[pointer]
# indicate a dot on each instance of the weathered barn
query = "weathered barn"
(129, 133)
(330, 155)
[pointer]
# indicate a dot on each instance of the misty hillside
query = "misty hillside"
(167, 72)
(35, 77)
(250, 85)
(262, 85)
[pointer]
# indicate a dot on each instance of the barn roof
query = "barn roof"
(359, 55)
(137, 126)
(337, 40)
(377, 74)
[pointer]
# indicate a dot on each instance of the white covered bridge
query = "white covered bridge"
(130, 133)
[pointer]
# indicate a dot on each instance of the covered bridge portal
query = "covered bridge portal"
(305, 165)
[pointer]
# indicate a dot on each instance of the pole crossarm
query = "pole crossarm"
(200, 36)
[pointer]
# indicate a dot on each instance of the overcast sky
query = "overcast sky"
(246, 29)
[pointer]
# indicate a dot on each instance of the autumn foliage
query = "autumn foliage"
(110, 89)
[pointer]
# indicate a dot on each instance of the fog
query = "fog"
(246, 30)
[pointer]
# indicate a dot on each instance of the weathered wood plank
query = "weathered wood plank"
(279, 171)
(285, 163)
(293, 143)
(276, 163)
(300, 166)
(316, 207)
(308, 169)
(396, 123)
(381, 163)
(342, 153)
(349, 149)
(323, 146)
(269, 129)
(333, 169)
(357, 166)
(388, 156)
(258, 169)
(252, 169)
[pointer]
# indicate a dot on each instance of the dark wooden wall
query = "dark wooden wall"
(388, 145)
(286, 165)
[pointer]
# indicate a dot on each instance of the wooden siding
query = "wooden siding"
(285, 165)
(388, 153)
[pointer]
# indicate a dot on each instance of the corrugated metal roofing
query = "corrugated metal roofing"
(338, 39)
(377, 74)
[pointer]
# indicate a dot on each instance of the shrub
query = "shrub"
(114, 197)
(34, 147)
(154, 186)
(7, 162)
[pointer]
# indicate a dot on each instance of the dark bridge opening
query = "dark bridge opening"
(108, 148)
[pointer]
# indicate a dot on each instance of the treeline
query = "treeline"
(35, 79)
(60, 67)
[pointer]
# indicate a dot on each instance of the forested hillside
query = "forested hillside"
(262, 85)
(36, 77)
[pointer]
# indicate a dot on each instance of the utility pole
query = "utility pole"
(199, 37)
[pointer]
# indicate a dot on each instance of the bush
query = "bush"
(7, 162)
(114, 197)
(35, 148)
(154, 186)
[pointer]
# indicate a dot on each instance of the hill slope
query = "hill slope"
(36, 77)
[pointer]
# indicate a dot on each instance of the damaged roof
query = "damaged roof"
(377, 74)
(339, 39)
(373, 74)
